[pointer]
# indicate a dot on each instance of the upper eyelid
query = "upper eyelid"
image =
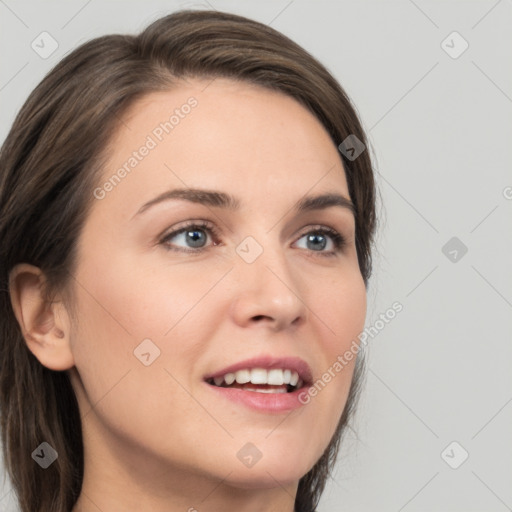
(189, 224)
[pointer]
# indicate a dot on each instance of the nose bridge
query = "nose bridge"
(266, 282)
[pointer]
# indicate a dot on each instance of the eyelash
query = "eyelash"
(337, 238)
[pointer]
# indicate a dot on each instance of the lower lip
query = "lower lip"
(263, 402)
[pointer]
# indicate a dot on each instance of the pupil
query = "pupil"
(194, 237)
(312, 238)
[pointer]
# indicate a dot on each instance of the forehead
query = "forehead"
(250, 140)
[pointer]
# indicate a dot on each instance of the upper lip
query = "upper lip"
(268, 362)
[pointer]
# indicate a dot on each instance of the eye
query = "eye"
(194, 234)
(318, 237)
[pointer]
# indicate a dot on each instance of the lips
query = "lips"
(257, 393)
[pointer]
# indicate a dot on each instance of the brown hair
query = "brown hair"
(49, 165)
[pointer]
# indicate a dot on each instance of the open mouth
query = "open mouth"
(260, 380)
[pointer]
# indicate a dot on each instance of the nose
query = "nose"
(267, 292)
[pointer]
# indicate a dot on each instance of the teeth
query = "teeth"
(243, 376)
(277, 390)
(259, 376)
(229, 378)
(274, 377)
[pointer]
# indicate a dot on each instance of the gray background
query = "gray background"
(441, 131)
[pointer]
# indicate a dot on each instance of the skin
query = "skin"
(156, 437)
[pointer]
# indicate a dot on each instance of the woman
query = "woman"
(187, 217)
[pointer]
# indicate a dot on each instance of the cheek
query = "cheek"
(120, 308)
(341, 313)
(340, 308)
(137, 301)
(127, 303)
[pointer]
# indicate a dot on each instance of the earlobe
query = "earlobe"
(45, 325)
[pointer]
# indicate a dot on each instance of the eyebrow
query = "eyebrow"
(226, 201)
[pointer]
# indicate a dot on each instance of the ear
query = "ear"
(45, 325)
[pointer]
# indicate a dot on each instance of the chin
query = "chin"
(263, 479)
(270, 473)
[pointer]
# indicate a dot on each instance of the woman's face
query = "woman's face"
(159, 313)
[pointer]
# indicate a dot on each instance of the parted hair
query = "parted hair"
(51, 161)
